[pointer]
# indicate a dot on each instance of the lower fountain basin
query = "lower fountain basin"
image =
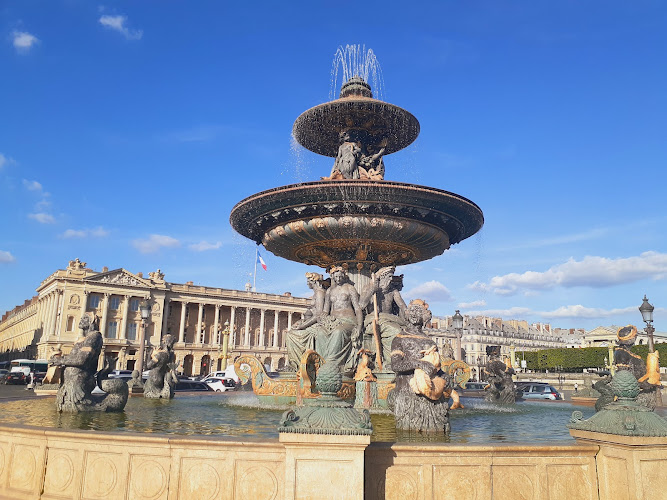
(361, 224)
(240, 415)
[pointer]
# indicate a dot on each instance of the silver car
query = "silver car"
(540, 391)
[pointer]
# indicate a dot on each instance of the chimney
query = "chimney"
(105, 269)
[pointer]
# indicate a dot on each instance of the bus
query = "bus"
(28, 365)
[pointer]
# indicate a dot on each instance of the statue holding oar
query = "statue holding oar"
(389, 313)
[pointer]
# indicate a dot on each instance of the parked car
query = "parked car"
(192, 386)
(473, 390)
(3, 374)
(38, 377)
(220, 384)
(16, 378)
(539, 390)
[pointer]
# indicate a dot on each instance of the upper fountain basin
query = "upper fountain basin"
(361, 223)
(318, 129)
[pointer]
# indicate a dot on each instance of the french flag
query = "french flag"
(260, 261)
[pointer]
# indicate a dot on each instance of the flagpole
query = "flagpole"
(254, 278)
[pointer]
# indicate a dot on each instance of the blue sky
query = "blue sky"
(130, 129)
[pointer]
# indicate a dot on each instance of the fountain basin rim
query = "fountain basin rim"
(317, 129)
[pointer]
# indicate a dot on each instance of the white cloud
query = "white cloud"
(474, 303)
(511, 313)
(23, 41)
(32, 185)
(431, 291)
(564, 312)
(591, 271)
(43, 218)
(98, 232)
(4, 160)
(6, 256)
(579, 311)
(205, 245)
(154, 242)
(117, 23)
(559, 240)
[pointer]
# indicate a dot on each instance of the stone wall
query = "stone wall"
(457, 472)
(51, 464)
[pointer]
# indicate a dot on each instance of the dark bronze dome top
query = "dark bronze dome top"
(356, 86)
(319, 129)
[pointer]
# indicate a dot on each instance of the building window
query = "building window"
(112, 329)
(134, 304)
(93, 301)
(114, 303)
(70, 323)
(132, 331)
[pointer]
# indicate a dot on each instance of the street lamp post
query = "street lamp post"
(457, 323)
(145, 309)
(647, 315)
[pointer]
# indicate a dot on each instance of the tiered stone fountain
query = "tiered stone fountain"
(352, 219)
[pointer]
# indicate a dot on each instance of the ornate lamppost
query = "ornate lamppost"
(145, 308)
(457, 323)
(647, 315)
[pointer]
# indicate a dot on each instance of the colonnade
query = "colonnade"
(242, 323)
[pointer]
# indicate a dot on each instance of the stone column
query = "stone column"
(46, 315)
(289, 320)
(123, 324)
(216, 324)
(199, 317)
(274, 341)
(181, 330)
(232, 324)
(165, 317)
(261, 328)
(105, 314)
(54, 313)
(246, 340)
(60, 301)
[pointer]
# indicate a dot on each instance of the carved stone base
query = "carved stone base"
(326, 416)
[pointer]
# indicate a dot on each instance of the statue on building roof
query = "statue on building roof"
(76, 265)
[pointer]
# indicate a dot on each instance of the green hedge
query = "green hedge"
(578, 359)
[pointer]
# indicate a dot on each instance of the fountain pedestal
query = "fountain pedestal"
(324, 465)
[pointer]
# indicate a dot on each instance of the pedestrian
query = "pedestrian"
(576, 387)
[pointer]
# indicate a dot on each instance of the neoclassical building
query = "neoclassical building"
(481, 331)
(195, 315)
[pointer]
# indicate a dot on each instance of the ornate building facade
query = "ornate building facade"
(195, 315)
(481, 331)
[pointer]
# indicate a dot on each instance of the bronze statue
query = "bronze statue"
(75, 391)
(627, 360)
(386, 317)
(161, 377)
(420, 399)
(340, 323)
(501, 388)
(301, 337)
(346, 165)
